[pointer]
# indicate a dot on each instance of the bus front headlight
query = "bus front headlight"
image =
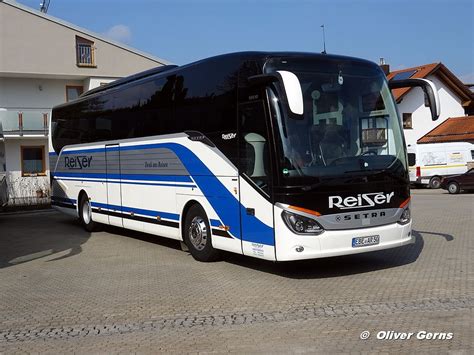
(300, 224)
(405, 217)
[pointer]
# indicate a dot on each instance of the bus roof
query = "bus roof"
(260, 57)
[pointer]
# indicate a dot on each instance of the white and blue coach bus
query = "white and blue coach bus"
(280, 156)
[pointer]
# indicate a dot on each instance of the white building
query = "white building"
(455, 99)
(45, 61)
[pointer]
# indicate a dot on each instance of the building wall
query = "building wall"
(33, 94)
(37, 62)
(40, 95)
(413, 102)
(30, 190)
(91, 83)
(45, 47)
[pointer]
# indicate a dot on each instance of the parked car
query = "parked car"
(456, 183)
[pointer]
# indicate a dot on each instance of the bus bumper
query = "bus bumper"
(290, 246)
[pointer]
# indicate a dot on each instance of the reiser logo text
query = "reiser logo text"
(78, 162)
(361, 200)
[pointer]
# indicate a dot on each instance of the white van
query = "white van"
(430, 162)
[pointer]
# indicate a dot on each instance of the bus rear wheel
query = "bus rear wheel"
(85, 214)
(197, 235)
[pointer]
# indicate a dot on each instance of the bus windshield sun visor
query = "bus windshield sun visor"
(292, 89)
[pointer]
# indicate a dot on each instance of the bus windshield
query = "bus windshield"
(350, 125)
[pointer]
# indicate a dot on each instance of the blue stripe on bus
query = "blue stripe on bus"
(166, 215)
(215, 192)
(215, 223)
(126, 182)
(140, 177)
(220, 198)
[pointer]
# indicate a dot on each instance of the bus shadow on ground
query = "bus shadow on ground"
(24, 239)
(340, 265)
(314, 268)
(146, 237)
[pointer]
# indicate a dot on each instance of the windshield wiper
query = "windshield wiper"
(314, 186)
(377, 171)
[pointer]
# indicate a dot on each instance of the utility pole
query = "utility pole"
(324, 40)
(44, 6)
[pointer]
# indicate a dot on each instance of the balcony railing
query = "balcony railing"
(24, 123)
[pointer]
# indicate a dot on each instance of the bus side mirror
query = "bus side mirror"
(291, 85)
(429, 89)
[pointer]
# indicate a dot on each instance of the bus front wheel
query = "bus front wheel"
(197, 235)
(85, 213)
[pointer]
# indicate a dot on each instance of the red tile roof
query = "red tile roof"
(443, 74)
(454, 129)
(421, 72)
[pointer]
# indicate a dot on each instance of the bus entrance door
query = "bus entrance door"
(113, 181)
(256, 214)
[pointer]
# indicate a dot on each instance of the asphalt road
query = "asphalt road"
(64, 290)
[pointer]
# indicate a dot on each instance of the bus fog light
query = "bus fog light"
(301, 224)
(299, 249)
(405, 217)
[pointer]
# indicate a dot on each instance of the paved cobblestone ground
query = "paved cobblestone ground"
(64, 290)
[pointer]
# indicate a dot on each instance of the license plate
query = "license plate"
(365, 241)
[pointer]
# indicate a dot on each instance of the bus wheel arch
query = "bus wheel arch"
(84, 209)
(196, 232)
(80, 196)
(186, 208)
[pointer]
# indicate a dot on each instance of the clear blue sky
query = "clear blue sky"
(406, 33)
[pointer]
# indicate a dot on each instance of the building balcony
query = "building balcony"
(24, 124)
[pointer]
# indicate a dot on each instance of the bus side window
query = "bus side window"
(254, 144)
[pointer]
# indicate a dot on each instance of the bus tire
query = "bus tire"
(453, 188)
(85, 213)
(197, 235)
(435, 182)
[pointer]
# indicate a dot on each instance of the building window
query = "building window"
(73, 92)
(32, 161)
(407, 123)
(84, 52)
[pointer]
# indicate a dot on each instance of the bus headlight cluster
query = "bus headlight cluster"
(301, 224)
(405, 217)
